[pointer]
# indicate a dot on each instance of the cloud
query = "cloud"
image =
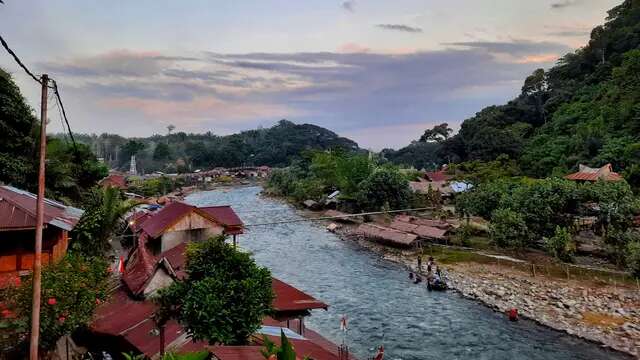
(569, 31)
(400, 27)
(518, 51)
(564, 3)
(352, 90)
(349, 5)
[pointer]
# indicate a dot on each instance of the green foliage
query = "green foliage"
(156, 186)
(420, 155)
(71, 290)
(224, 297)
(509, 229)
(633, 257)
(438, 133)
(283, 352)
(161, 152)
(561, 245)
(70, 171)
(385, 187)
(583, 110)
(104, 211)
(278, 145)
(478, 172)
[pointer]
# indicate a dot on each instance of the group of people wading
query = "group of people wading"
(435, 280)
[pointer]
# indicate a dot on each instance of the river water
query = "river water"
(382, 305)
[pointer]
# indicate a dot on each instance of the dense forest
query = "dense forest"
(586, 109)
(176, 152)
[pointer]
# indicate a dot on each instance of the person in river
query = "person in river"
(411, 275)
(419, 263)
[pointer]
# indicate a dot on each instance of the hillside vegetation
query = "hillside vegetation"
(585, 109)
(176, 152)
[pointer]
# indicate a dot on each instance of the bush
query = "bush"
(618, 242)
(508, 229)
(224, 297)
(386, 187)
(561, 245)
(633, 258)
(71, 290)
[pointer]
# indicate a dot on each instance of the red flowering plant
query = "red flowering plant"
(70, 290)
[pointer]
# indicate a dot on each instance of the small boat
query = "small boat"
(437, 286)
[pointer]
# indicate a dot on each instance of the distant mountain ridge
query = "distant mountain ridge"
(274, 146)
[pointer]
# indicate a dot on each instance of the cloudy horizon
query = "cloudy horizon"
(374, 71)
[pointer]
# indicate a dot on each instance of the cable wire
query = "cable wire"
(17, 59)
(64, 114)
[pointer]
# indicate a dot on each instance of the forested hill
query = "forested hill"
(274, 146)
(585, 109)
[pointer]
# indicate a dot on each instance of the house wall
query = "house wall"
(193, 227)
(159, 280)
(17, 248)
(172, 239)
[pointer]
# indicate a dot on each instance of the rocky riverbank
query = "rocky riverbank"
(600, 313)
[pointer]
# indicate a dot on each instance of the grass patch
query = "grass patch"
(602, 320)
(450, 256)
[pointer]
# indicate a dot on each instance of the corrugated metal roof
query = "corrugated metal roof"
(223, 214)
(140, 267)
(437, 175)
(288, 298)
(586, 173)
(159, 222)
(18, 210)
(582, 176)
(166, 217)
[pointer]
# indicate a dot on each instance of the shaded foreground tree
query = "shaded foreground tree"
(224, 297)
(71, 290)
(105, 209)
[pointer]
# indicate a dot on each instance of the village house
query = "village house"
(178, 222)
(126, 322)
(17, 230)
(589, 174)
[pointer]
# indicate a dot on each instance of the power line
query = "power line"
(64, 114)
(17, 59)
(345, 216)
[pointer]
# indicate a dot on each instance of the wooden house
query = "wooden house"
(17, 230)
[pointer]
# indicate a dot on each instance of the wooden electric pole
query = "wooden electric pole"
(37, 261)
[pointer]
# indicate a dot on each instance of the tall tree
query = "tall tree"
(224, 297)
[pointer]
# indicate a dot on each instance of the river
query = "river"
(382, 305)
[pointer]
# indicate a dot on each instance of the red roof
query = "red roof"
(132, 320)
(136, 220)
(166, 217)
(288, 298)
(18, 211)
(237, 352)
(114, 180)
(223, 214)
(140, 267)
(586, 173)
(157, 224)
(439, 175)
(177, 259)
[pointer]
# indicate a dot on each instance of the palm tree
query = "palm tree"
(103, 218)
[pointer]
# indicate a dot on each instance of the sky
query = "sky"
(377, 71)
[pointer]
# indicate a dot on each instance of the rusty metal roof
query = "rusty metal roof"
(288, 298)
(223, 214)
(165, 218)
(18, 211)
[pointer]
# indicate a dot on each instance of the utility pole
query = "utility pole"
(37, 261)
